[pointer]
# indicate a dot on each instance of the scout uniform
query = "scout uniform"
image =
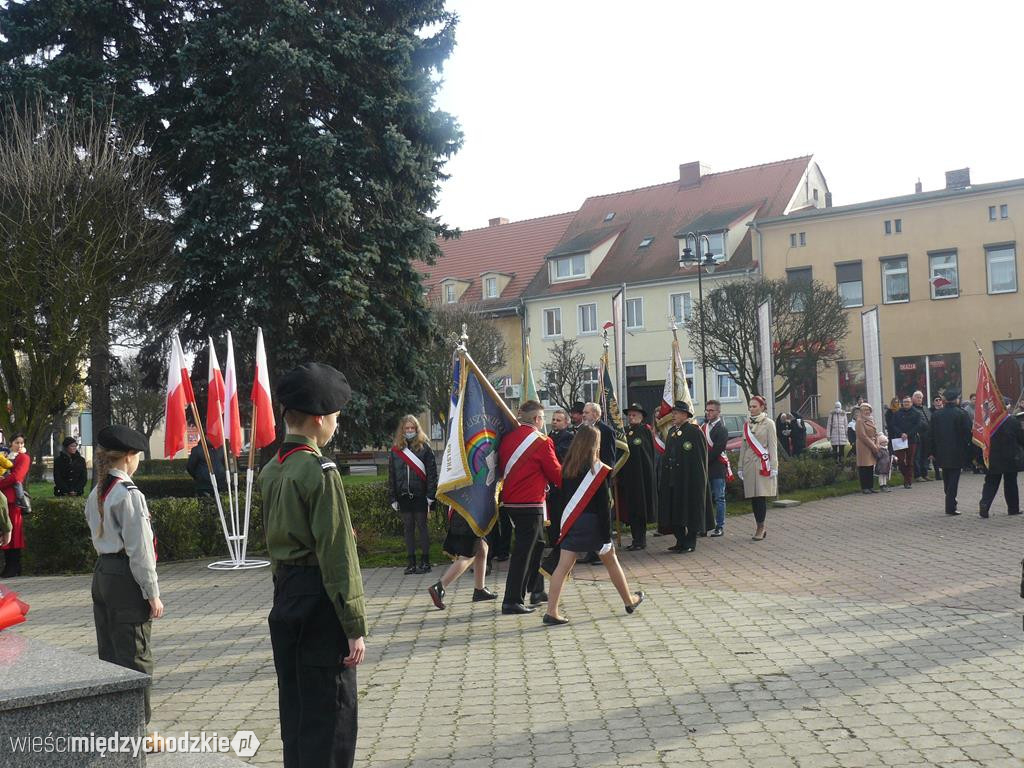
(318, 588)
(124, 580)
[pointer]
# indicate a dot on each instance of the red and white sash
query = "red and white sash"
(722, 458)
(530, 440)
(757, 448)
(659, 442)
(414, 462)
(592, 482)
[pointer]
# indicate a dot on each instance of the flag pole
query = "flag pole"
(232, 504)
(248, 479)
(615, 480)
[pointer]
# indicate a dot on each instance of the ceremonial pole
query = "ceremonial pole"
(615, 480)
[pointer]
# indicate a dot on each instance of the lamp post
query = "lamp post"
(707, 262)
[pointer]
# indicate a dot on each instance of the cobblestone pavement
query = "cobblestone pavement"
(865, 630)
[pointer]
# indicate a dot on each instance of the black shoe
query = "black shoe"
(675, 550)
(552, 621)
(425, 566)
(687, 550)
(906, 486)
(983, 513)
(501, 558)
(479, 595)
(436, 593)
(956, 513)
(538, 597)
(411, 567)
(514, 608)
(639, 599)
(1011, 514)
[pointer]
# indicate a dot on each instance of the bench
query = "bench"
(346, 461)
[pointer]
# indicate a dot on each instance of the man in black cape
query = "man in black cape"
(636, 478)
(684, 496)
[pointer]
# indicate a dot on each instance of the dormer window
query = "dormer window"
(491, 288)
(609, 216)
(569, 267)
(646, 242)
(449, 293)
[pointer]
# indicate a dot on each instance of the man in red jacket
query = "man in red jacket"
(527, 461)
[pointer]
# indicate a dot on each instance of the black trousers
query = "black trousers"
(866, 475)
(686, 538)
(1010, 491)
(316, 693)
(760, 506)
(414, 520)
(950, 484)
(121, 615)
(527, 550)
(638, 529)
(11, 559)
(500, 537)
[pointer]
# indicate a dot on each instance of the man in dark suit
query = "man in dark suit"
(949, 442)
(716, 436)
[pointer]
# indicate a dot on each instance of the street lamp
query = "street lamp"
(706, 262)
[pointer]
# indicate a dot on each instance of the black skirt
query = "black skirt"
(460, 540)
(585, 535)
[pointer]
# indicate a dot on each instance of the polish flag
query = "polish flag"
(232, 421)
(263, 432)
(214, 400)
(186, 374)
(175, 404)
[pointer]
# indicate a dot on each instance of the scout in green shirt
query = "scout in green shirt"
(5, 522)
(318, 620)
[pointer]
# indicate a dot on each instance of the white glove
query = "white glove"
(740, 473)
(775, 473)
(394, 505)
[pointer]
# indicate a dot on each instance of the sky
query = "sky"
(562, 99)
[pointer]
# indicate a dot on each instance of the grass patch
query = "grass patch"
(841, 488)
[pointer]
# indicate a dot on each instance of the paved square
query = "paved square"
(865, 630)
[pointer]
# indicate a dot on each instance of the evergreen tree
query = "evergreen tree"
(308, 151)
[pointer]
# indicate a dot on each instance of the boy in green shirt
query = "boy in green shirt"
(318, 620)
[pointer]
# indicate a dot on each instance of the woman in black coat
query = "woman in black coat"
(1005, 459)
(69, 473)
(412, 486)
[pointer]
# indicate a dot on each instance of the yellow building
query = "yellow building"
(941, 266)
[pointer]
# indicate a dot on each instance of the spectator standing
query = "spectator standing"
(1005, 460)
(784, 432)
(949, 441)
(759, 462)
(921, 455)
(890, 412)
(867, 448)
(69, 474)
(196, 467)
(883, 465)
(12, 485)
(936, 406)
(836, 427)
(906, 427)
(977, 458)
(412, 483)
(719, 471)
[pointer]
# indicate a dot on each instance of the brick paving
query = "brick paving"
(864, 631)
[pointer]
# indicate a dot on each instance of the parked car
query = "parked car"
(817, 437)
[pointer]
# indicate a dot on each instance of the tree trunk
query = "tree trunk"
(99, 377)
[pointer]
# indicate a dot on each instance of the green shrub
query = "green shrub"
(163, 467)
(57, 537)
(165, 486)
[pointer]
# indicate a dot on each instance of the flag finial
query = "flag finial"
(606, 344)
(464, 338)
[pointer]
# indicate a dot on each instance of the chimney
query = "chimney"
(690, 173)
(918, 188)
(958, 179)
(497, 222)
(828, 199)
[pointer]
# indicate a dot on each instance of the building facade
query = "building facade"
(943, 269)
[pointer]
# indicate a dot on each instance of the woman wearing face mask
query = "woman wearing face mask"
(412, 483)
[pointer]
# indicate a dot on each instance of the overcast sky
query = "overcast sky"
(561, 99)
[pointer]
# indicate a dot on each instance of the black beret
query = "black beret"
(314, 388)
(69, 441)
(683, 406)
(118, 437)
(638, 408)
(577, 407)
(951, 394)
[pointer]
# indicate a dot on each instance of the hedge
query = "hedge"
(163, 467)
(810, 470)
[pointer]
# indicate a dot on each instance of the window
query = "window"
(634, 313)
(716, 246)
(850, 281)
(943, 275)
(587, 318)
(932, 374)
(1002, 268)
(888, 227)
(803, 238)
(895, 281)
(449, 293)
(491, 287)
(991, 213)
(636, 373)
(569, 267)
(1004, 211)
(681, 306)
(609, 216)
(792, 240)
(728, 389)
(688, 373)
(897, 225)
(853, 382)
(646, 242)
(590, 385)
(552, 323)
(800, 281)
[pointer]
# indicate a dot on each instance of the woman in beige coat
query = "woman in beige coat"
(759, 462)
(867, 448)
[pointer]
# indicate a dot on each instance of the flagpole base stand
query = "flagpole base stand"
(237, 565)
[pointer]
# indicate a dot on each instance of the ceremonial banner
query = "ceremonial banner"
(989, 410)
(676, 388)
(872, 358)
(611, 415)
(619, 336)
(529, 386)
(764, 338)
(479, 419)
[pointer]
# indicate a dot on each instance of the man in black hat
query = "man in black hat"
(949, 442)
(69, 474)
(684, 498)
(636, 478)
(318, 620)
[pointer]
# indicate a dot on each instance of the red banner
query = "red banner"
(989, 411)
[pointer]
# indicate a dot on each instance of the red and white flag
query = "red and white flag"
(232, 420)
(989, 410)
(186, 374)
(214, 400)
(175, 404)
(263, 432)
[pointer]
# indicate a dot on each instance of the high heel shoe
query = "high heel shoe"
(639, 599)
(755, 537)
